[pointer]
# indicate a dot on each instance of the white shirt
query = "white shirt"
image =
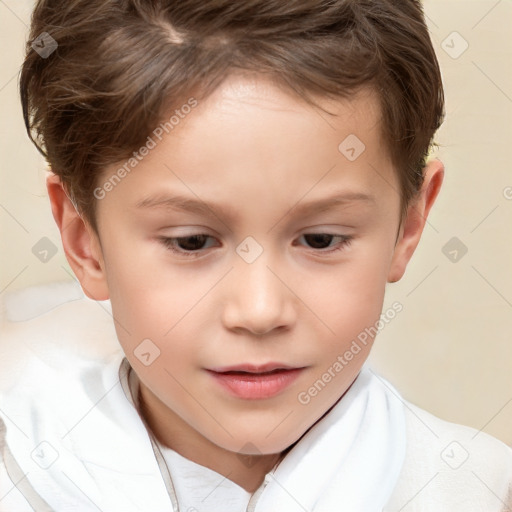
(201, 489)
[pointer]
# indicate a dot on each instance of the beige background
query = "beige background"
(450, 349)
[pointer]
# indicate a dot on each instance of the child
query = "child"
(260, 128)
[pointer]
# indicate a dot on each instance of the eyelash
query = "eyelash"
(168, 242)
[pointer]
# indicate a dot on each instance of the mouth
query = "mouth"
(255, 382)
(254, 368)
(233, 372)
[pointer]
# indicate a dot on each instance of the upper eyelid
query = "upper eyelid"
(310, 232)
(344, 237)
(192, 230)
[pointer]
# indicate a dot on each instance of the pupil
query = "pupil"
(193, 245)
(318, 238)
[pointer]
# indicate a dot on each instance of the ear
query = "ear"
(415, 219)
(81, 244)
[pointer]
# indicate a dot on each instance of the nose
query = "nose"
(258, 298)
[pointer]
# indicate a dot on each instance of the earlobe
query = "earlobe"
(415, 220)
(81, 244)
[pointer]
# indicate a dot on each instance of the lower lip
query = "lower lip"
(256, 386)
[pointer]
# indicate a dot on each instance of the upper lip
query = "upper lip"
(253, 368)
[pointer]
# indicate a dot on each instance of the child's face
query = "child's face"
(256, 156)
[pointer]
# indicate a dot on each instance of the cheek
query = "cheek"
(349, 294)
(148, 297)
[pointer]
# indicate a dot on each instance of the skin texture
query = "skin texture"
(260, 153)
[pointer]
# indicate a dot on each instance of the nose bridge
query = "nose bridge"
(257, 298)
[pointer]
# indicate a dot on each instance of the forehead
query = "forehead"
(253, 103)
(253, 142)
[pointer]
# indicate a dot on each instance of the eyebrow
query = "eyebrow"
(203, 208)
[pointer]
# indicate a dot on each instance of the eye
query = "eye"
(190, 244)
(319, 240)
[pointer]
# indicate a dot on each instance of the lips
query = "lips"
(253, 368)
(255, 382)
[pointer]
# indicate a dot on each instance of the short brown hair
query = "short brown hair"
(120, 64)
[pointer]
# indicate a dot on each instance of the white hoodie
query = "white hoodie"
(72, 439)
